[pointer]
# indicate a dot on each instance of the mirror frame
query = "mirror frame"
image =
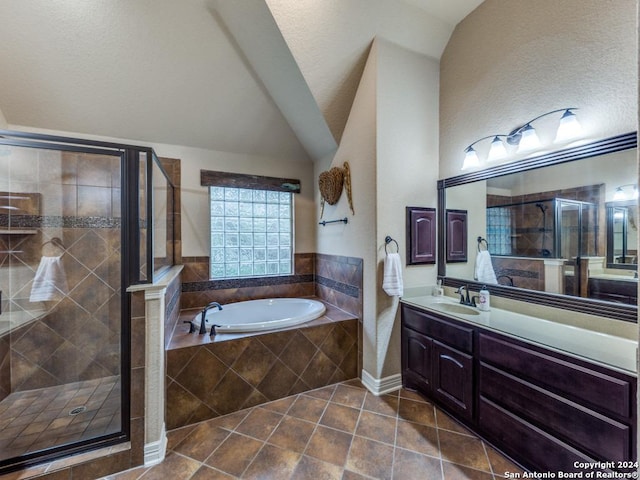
(628, 313)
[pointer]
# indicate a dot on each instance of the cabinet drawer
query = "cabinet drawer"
(602, 437)
(603, 392)
(526, 443)
(452, 334)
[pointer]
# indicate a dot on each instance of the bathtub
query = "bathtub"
(260, 315)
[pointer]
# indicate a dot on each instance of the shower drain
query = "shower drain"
(77, 410)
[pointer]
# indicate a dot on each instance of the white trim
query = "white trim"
(154, 452)
(383, 385)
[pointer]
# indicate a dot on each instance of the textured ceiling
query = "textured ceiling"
(170, 71)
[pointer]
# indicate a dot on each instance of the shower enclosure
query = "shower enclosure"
(555, 228)
(74, 222)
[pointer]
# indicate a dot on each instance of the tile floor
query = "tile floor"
(336, 432)
(37, 419)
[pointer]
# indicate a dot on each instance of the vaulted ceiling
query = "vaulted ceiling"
(204, 73)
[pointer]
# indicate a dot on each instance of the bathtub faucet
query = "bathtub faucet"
(203, 327)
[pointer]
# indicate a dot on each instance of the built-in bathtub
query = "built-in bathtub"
(208, 376)
(261, 315)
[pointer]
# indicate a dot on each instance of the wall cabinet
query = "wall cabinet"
(544, 409)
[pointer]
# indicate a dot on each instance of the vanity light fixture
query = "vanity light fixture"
(524, 138)
(620, 194)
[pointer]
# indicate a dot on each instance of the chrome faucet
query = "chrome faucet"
(203, 317)
(463, 291)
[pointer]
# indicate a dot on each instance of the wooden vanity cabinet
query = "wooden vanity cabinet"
(618, 291)
(544, 409)
(437, 360)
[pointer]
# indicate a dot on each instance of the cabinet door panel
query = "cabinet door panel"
(456, 236)
(416, 358)
(421, 232)
(604, 438)
(453, 379)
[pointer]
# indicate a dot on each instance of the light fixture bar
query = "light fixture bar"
(524, 138)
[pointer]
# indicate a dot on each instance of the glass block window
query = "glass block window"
(251, 232)
(499, 230)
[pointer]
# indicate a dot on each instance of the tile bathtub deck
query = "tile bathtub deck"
(337, 432)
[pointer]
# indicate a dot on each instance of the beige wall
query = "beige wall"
(195, 198)
(390, 142)
(511, 60)
(195, 206)
(3, 121)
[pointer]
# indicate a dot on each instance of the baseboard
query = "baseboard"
(154, 452)
(382, 385)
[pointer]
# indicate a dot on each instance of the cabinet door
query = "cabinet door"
(421, 235)
(456, 236)
(416, 360)
(452, 382)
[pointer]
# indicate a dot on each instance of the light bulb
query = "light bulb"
(471, 159)
(497, 150)
(619, 195)
(568, 128)
(529, 140)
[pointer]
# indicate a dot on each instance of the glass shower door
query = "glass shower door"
(61, 317)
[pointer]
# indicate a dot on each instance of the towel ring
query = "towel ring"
(56, 242)
(480, 240)
(387, 241)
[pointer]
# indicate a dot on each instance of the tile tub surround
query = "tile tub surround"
(337, 432)
(209, 377)
(198, 290)
(333, 278)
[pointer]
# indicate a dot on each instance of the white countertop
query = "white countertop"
(612, 276)
(610, 350)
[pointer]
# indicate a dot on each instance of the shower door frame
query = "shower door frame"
(129, 263)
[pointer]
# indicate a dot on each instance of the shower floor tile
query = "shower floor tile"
(38, 419)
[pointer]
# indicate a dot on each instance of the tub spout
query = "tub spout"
(203, 317)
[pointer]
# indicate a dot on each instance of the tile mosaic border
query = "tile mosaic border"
(56, 221)
(202, 286)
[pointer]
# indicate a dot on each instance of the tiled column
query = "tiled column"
(155, 437)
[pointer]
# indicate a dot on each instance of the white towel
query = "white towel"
(392, 277)
(50, 281)
(484, 269)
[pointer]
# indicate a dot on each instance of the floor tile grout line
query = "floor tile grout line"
(317, 423)
(440, 456)
(353, 435)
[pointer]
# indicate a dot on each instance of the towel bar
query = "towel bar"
(344, 220)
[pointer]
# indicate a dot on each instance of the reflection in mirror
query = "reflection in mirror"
(555, 229)
(622, 235)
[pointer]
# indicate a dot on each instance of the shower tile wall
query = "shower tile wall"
(172, 167)
(76, 338)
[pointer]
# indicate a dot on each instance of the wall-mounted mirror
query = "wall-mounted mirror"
(554, 226)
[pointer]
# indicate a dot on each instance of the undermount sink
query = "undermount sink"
(457, 308)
